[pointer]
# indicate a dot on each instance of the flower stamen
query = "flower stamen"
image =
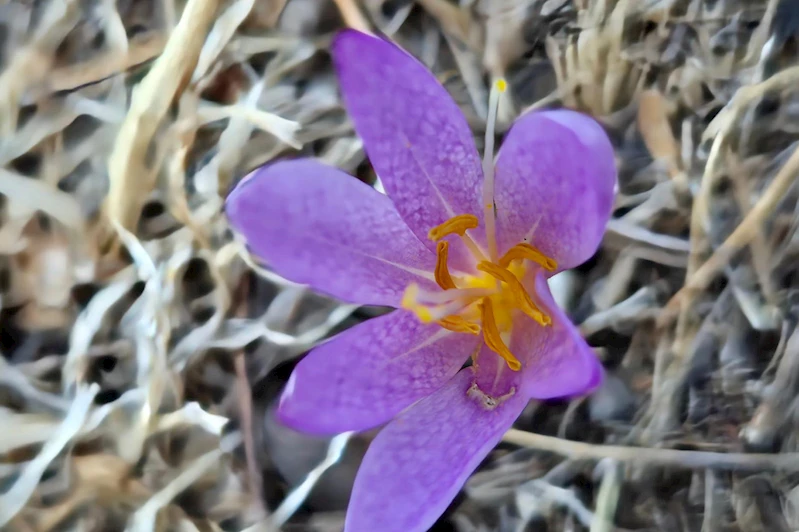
(459, 324)
(484, 303)
(526, 251)
(523, 300)
(458, 225)
(492, 337)
(440, 297)
(430, 307)
(443, 277)
(410, 301)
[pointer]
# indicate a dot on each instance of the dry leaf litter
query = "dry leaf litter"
(143, 348)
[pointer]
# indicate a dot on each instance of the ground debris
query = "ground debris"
(142, 348)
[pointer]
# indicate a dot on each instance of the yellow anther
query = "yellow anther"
(498, 273)
(492, 337)
(526, 251)
(459, 324)
(410, 302)
(501, 85)
(443, 278)
(520, 295)
(456, 225)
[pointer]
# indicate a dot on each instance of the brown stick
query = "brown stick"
(655, 456)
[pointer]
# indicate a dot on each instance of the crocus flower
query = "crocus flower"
(462, 250)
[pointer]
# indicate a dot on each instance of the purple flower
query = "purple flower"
(462, 249)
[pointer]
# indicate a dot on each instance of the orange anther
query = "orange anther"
(443, 278)
(456, 225)
(459, 324)
(526, 251)
(523, 300)
(492, 337)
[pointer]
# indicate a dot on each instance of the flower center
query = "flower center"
(485, 301)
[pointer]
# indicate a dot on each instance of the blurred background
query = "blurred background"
(142, 348)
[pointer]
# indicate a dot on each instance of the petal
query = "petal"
(556, 360)
(319, 226)
(366, 375)
(554, 185)
(415, 135)
(418, 463)
(493, 377)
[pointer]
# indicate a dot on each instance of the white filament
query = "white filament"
(497, 88)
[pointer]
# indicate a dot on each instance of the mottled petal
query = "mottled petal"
(554, 185)
(493, 377)
(557, 362)
(418, 463)
(367, 374)
(414, 134)
(316, 225)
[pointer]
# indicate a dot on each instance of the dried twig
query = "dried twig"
(130, 178)
(352, 15)
(743, 234)
(655, 456)
(292, 503)
(15, 498)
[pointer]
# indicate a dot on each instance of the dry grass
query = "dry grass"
(142, 348)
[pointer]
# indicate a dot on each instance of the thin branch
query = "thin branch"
(743, 234)
(352, 15)
(129, 179)
(292, 503)
(656, 456)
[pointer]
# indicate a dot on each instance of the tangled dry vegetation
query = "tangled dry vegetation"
(142, 348)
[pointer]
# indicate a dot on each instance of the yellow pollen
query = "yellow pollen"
(526, 251)
(492, 336)
(501, 85)
(459, 324)
(456, 225)
(410, 302)
(443, 277)
(485, 302)
(520, 295)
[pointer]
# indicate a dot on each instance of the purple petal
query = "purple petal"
(493, 377)
(414, 133)
(554, 185)
(557, 362)
(319, 226)
(366, 375)
(418, 463)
